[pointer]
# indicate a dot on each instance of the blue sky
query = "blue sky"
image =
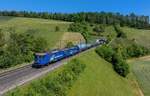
(122, 6)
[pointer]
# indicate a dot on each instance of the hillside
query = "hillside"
(40, 27)
(99, 79)
(140, 67)
(140, 36)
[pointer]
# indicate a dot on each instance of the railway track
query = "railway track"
(18, 77)
(13, 70)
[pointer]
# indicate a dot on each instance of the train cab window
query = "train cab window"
(41, 57)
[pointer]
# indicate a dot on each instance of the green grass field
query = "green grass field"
(42, 27)
(141, 69)
(141, 36)
(99, 79)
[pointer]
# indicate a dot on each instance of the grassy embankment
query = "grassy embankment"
(41, 27)
(140, 36)
(99, 79)
(141, 69)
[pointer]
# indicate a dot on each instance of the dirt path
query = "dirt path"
(145, 58)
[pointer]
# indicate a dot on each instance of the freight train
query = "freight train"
(44, 59)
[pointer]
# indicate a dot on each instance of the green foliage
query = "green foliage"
(120, 65)
(40, 45)
(131, 50)
(120, 32)
(83, 27)
(53, 86)
(20, 49)
(69, 44)
(105, 52)
(114, 57)
(2, 38)
(57, 29)
(122, 68)
(136, 50)
(99, 29)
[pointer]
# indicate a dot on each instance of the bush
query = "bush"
(99, 29)
(105, 52)
(40, 45)
(120, 65)
(83, 27)
(122, 68)
(135, 50)
(57, 29)
(119, 32)
(114, 57)
(69, 44)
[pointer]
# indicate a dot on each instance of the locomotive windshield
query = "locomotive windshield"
(39, 56)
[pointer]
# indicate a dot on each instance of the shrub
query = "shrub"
(57, 29)
(105, 52)
(83, 27)
(119, 32)
(136, 50)
(69, 44)
(40, 45)
(120, 65)
(99, 29)
(122, 69)
(114, 57)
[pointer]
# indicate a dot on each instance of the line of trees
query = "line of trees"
(109, 18)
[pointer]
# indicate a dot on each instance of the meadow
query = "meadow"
(140, 36)
(41, 27)
(99, 79)
(141, 69)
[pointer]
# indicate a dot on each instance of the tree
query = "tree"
(105, 52)
(69, 44)
(2, 38)
(57, 29)
(119, 32)
(40, 45)
(99, 29)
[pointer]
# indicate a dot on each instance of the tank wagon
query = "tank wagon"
(44, 59)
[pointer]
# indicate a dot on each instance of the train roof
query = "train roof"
(40, 54)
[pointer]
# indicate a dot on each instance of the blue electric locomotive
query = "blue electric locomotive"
(42, 59)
